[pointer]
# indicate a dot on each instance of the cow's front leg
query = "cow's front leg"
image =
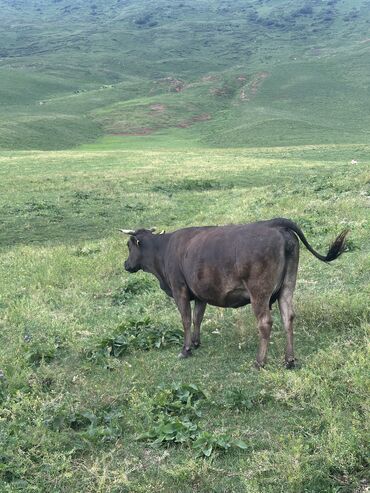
(199, 309)
(183, 304)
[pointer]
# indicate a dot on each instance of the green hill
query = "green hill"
(262, 72)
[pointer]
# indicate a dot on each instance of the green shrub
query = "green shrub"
(41, 348)
(178, 399)
(175, 408)
(131, 288)
(206, 443)
(140, 334)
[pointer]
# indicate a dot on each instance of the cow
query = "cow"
(228, 266)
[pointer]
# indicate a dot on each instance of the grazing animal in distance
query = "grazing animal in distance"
(228, 266)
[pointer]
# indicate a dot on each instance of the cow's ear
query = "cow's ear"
(137, 242)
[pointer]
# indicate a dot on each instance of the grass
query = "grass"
(70, 421)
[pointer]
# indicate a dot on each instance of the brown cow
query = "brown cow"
(228, 266)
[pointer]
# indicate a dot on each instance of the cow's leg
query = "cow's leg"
(261, 310)
(199, 309)
(287, 316)
(286, 298)
(286, 303)
(183, 304)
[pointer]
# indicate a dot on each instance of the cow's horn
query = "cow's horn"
(162, 232)
(127, 231)
(152, 229)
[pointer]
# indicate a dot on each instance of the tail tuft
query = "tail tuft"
(337, 247)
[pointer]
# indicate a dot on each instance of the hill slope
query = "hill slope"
(262, 72)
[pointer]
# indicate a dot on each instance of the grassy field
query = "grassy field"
(88, 353)
(126, 114)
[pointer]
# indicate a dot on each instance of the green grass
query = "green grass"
(70, 415)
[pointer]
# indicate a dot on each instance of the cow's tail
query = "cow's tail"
(335, 250)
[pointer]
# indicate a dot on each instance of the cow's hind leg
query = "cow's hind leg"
(183, 303)
(261, 310)
(199, 309)
(287, 316)
(285, 299)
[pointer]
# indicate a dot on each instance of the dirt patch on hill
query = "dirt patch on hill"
(141, 131)
(257, 82)
(197, 118)
(209, 78)
(171, 83)
(248, 92)
(157, 108)
(135, 131)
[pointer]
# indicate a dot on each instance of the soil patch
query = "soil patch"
(158, 108)
(197, 118)
(209, 78)
(173, 84)
(257, 82)
(248, 92)
(135, 131)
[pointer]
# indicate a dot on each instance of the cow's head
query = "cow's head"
(137, 248)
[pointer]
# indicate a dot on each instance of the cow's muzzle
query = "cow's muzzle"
(131, 269)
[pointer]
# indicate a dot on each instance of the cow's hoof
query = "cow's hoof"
(184, 354)
(196, 345)
(258, 365)
(289, 365)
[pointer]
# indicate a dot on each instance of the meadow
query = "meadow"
(127, 114)
(93, 397)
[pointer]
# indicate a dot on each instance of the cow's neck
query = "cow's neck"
(154, 258)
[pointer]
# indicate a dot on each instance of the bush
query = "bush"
(175, 408)
(132, 287)
(140, 334)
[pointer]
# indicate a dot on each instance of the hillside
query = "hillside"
(262, 72)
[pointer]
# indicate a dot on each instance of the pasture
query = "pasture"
(88, 353)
